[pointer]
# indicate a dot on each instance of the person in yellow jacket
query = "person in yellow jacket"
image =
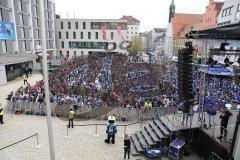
(25, 79)
(70, 117)
(1, 114)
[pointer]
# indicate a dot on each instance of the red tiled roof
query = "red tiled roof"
(129, 19)
(182, 23)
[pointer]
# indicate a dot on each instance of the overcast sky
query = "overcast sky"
(151, 13)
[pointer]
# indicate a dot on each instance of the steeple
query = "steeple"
(171, 11)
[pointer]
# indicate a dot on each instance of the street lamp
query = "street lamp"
(45, 77)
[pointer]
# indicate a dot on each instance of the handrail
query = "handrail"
(36, 134)
(101, 124)
(217, 156)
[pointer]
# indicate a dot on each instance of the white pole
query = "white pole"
(46, 84)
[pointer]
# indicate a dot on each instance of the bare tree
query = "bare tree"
(137, 46)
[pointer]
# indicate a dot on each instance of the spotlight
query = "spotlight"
(227, 65)
(223, 45)
(210, 61)
(226, 60)
(188, 44)
(238, 60)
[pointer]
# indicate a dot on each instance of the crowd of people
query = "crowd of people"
(117, 81)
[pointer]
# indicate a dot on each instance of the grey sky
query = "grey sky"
(151, 13)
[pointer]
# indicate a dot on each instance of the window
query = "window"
(89, 35)
(81, 35)
(67, 36)
(74, 35)
(96, 35)
(112, 35)
(61, 25)
(84, 25)
(227, 11)
(237, 17)
(76, 25)
(62, 44)
(59, 35)
(69, 25)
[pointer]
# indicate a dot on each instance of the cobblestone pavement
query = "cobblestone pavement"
(81, 144)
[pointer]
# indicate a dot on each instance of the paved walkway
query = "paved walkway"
(81, 144)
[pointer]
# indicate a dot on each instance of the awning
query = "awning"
(217, 70)
(7, 59)
(228, 32)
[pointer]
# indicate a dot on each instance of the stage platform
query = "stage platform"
(171, 125)
(213, 131)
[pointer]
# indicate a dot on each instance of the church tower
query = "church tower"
(171, 11)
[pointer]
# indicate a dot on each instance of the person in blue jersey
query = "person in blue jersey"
(111, 130)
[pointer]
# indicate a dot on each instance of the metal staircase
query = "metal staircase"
(152, 134)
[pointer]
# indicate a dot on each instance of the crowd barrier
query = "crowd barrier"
(61, 110)
(26, 107)
(36, 108)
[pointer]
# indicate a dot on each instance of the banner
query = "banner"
(7, 31)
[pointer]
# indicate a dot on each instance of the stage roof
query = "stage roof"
(227, 32)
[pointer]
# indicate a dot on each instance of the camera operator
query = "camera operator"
(224, 122)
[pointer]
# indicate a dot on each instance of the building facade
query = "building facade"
(133, 26)
(230, 13)
(177, 29)
(90, 36)
(21, 18)
(210, 17)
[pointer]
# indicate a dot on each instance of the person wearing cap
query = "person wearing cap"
(1, 114)
(70, 117)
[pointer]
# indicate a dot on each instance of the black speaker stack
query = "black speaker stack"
(185, 77)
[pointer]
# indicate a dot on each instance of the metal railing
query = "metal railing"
(214, 156)
(34, 135)
(96, 127)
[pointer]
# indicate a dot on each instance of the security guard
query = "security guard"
(1, 114)
(70, 117)
(25, 79)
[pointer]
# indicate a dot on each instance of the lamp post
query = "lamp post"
(46, 84)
